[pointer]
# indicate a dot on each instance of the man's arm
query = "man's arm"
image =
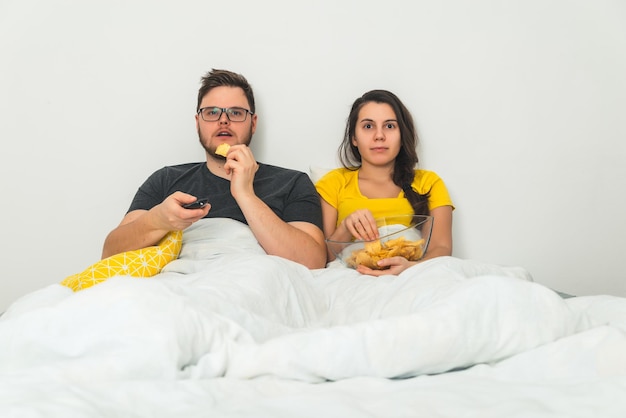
(143, 228)
(302, 242)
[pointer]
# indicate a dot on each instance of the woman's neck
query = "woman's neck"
(376, 173)
(377, 182)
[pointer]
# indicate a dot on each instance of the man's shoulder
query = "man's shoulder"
(185, 166)
(180, 168)
(274, 169)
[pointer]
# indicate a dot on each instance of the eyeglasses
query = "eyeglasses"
(234, 114)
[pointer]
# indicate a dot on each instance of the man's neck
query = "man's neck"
(216, 166)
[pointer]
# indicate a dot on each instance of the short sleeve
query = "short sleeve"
(329, 187)
(429, 182)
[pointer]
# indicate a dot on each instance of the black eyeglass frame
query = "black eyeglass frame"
(226, 110)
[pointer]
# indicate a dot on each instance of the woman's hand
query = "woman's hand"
(361, 225)
(391, 265)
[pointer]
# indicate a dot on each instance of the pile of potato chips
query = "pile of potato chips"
(375, 251)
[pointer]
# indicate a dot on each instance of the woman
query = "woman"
(379, 178)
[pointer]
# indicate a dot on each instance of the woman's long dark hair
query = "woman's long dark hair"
(406, 160)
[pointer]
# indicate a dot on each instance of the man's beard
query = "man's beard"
(210, 149)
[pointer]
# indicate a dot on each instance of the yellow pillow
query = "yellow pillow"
(145, 262)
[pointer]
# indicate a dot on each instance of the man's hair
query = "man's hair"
(219, 78)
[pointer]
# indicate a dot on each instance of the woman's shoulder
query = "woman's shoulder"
(426, 180)
(338, 174)
(426, 175)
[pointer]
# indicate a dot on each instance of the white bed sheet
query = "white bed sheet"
(226, 330)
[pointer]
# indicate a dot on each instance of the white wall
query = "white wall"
(520, 107)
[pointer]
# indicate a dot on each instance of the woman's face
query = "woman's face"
(377, 134)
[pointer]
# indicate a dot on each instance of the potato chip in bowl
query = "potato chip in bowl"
(401, 235)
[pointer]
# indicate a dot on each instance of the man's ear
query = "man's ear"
(253, 126)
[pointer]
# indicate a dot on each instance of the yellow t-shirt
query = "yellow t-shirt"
(340, 188)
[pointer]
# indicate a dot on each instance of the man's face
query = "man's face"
(223, 130)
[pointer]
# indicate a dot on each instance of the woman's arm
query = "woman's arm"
(441, 236)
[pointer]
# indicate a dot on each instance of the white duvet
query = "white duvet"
(226, 330)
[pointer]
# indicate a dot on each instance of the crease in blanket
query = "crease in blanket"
(506, 316)
(224, 308)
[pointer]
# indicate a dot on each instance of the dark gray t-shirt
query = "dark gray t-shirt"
(289, 193)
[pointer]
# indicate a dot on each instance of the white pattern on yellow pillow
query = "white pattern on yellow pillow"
(145, 262)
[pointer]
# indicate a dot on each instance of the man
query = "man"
(280, 206)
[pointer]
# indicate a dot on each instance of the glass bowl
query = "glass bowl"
(401, 235)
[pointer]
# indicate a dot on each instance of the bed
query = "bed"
(226, 330)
